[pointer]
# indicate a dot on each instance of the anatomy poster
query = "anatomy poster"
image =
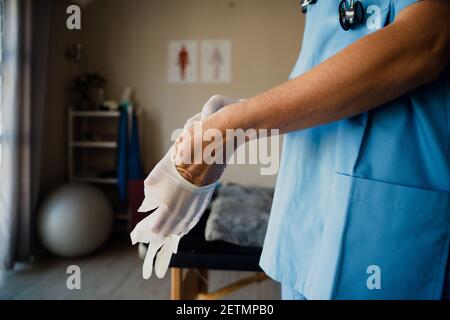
(215, 61)
(183, 57)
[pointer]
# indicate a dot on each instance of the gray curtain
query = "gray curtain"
(25, 34)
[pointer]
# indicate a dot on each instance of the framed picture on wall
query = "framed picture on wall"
(183, 61)
(215, 62)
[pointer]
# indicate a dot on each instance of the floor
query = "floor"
(112, 273)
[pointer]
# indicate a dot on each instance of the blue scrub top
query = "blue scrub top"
(362, 206)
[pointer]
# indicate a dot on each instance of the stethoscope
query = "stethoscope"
(351, 12)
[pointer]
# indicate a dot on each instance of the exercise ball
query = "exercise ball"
(75, 220)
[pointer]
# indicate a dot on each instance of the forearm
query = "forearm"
(367, 74)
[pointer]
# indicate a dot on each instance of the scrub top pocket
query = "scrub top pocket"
(393, 234)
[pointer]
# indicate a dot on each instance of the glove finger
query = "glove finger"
(135, 236)
(142, 232)
(151, 194)
(147, 266)
(145, 230)
(175, 241)
(164, 256)
(148, 205)
(162, 263)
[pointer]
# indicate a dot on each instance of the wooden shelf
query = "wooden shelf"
(94, 144)
(109, 114)
(97, 180)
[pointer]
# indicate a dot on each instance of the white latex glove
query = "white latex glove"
(179, 204)
(215, 103)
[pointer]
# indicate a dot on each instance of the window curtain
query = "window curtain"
(26, 29)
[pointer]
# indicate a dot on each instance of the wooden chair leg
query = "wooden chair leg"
(175, 283)
(188, 285)
(203, 281)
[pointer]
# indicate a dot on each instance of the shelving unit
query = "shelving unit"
(92, 144)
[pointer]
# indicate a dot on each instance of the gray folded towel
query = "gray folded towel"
(239, 215)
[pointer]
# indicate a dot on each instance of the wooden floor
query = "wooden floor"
(112, 273)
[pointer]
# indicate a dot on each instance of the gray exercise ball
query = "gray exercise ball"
(75, 220)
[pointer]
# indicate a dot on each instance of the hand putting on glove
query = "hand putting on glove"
(180, 197)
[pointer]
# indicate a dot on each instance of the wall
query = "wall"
(60, 75)
(126, 41)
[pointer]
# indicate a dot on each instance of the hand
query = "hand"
(179, 204)
(200, 171)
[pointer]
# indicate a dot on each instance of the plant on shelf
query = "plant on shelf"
(88, 89)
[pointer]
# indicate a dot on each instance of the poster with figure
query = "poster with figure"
(183, 61)
(216, 61)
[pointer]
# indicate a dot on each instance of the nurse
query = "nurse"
(362, 202)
